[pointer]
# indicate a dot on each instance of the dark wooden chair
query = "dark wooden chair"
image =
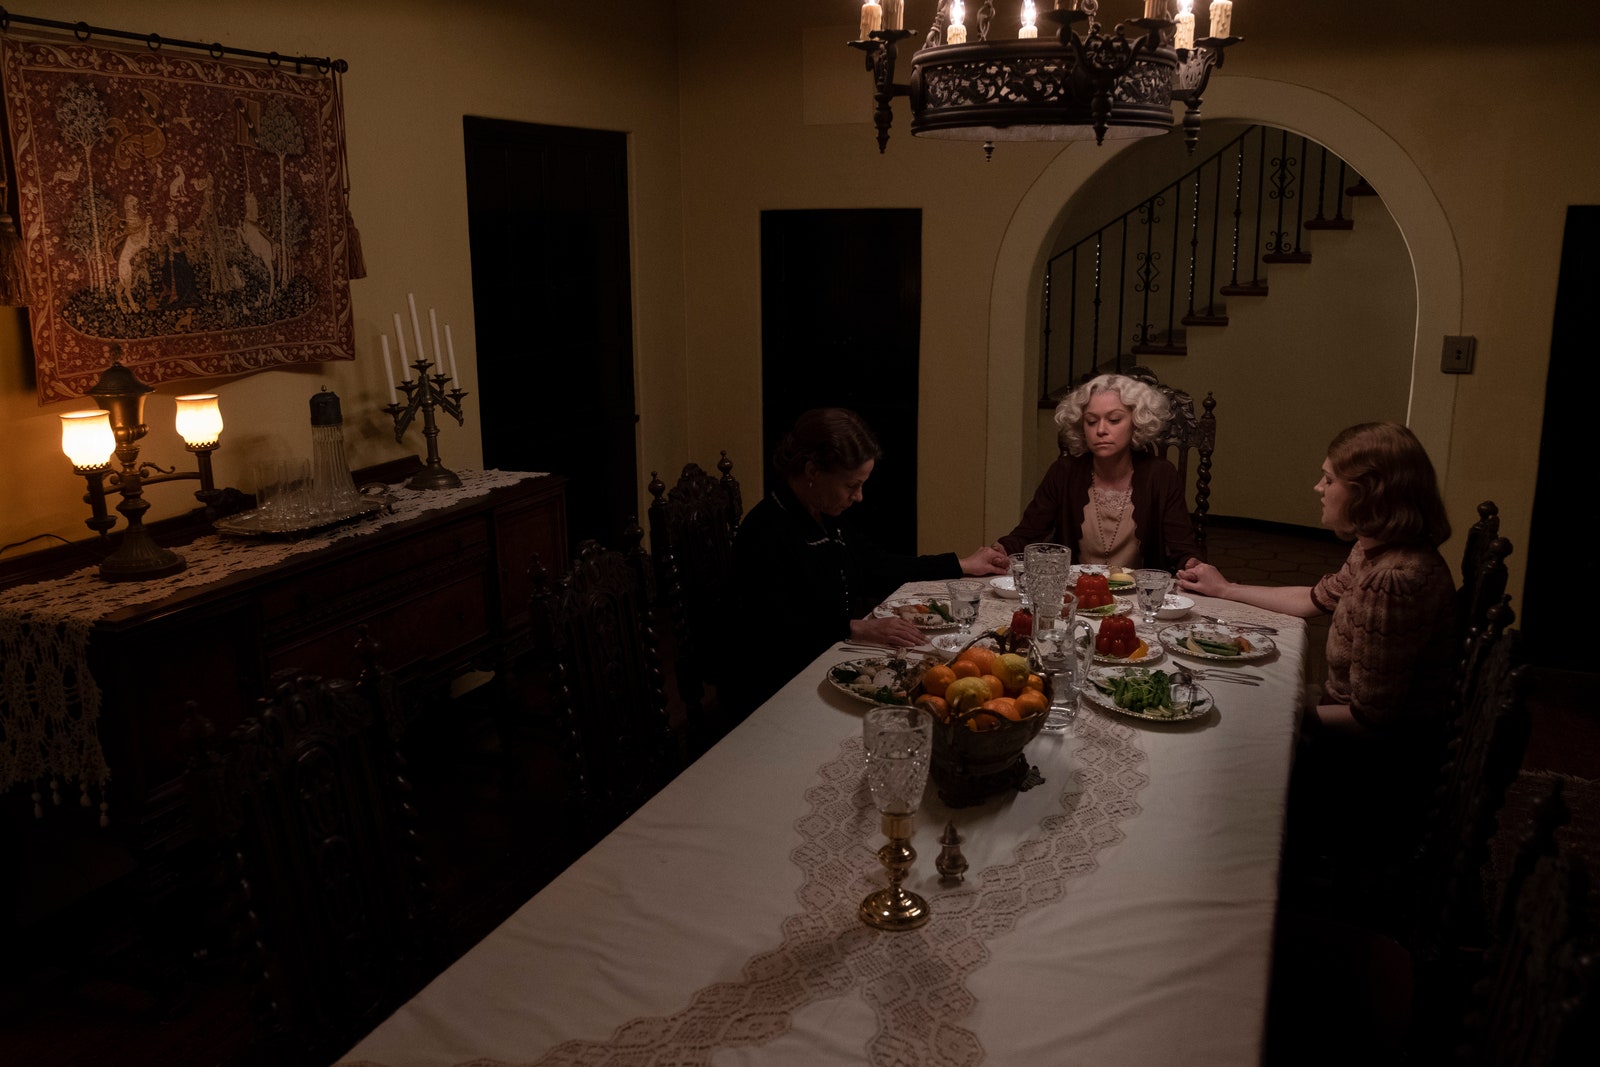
(1186, 440)
(605, 681)
(1449, 923)
(1483, 569)
(318, 872)
(1537, 1001)
(691, 542)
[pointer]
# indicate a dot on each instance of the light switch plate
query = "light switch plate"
(1458, 353)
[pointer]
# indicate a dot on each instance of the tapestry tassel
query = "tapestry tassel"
(357, 262)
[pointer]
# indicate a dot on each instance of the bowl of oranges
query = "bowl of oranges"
(987, 705)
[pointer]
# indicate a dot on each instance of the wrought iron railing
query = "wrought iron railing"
(1133, 286)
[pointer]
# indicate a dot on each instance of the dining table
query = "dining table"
(1117, 909)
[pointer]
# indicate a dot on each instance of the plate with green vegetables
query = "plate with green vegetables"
(1146, 693)
(923, 612)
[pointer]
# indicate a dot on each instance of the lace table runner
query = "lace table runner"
(915, 981)
(49, 703)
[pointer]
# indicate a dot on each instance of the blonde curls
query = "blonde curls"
(1150, 410)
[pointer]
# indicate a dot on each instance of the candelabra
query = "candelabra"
(427, 394)
(91, 439)
(1095, 84)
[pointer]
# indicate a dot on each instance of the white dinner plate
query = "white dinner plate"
(1154, 653)
(1005, 586)
(1175, 607)
(1261, 645)
(918, 610)
(1117, 607)
(862, 684)
(1199, 706)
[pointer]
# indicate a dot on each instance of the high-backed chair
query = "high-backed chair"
(1185, 440)
(1538, 1000)
(307, 812)
(1487, 742)
(691, 541)
(1483, 569)
(605, 679)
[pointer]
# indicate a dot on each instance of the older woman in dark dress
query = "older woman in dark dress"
(800, 564)
(1110, 499)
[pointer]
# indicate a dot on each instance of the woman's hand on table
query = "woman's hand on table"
(1204, 579)
(990, 559)
(893, 632)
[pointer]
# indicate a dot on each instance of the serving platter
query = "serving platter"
(1098, 693)
(261, 524)
(1260, 646)
(868, 680)
(921, 611)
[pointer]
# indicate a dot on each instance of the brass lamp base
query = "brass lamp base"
(894, 909)
(139, 558)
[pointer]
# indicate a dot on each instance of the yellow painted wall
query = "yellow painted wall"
(735, 112)
(416, 67)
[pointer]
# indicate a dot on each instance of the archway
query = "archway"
(1014, 310)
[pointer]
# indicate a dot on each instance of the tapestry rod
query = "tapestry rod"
(83, 31)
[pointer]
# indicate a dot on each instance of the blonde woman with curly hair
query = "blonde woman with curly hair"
(1111, 499)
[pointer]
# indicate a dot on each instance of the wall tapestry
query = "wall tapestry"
(190, 212)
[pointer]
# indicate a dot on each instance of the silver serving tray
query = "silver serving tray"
(255, 524)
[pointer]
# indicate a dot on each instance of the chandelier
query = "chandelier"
(1083, 82)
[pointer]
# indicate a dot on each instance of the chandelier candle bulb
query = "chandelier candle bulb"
(438, 353)
(1029, 31)
(957, 33)
(1183, 25)
(388, 366)
(894, 14)
(871, 18)
(1221, 12)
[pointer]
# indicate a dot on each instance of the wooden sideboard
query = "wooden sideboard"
(443, 592)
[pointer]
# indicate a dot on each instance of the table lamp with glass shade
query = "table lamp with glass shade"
(90, 439)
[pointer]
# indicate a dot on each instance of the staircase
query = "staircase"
(1134, 287)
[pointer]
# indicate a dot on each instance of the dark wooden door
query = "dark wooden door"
(841, 312)
(1562, 569)
(547, 213)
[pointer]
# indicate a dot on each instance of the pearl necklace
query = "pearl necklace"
(1101, 497)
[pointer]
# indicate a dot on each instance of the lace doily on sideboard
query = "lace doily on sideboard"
(914, 981)
(49, 703)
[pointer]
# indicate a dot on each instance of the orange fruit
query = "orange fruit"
(936, 679)
(1036, 681)
(934, 706)
(983, 657)
(997, 688)
(965, 668)
(1141, 652)
(1005, 706)
(1031, 702)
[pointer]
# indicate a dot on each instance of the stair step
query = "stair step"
(1286, 257)
(1255, 288)
(1211, 317)
(1169, 348)
(1331, 224)
(1361, 188)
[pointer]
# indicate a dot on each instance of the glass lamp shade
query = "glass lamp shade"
(199, 420)
(86, 438)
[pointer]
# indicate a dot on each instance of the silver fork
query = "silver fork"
(1254, 626)
(1185, 676)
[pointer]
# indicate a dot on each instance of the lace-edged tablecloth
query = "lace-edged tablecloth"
(915, 982)
(49, 703)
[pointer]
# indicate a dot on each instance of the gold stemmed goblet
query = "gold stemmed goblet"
(899, 744)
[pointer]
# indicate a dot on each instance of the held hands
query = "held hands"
(990, 559)
(893, 631)
(1202, 578)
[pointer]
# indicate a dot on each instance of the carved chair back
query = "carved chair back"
(691, 541)
(1538, 999)
(1483, 569)
(1487, 740)
(606, 682)
(309, 815)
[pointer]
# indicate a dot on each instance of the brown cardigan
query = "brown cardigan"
(1160, 516)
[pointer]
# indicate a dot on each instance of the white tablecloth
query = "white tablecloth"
(1148, 944)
